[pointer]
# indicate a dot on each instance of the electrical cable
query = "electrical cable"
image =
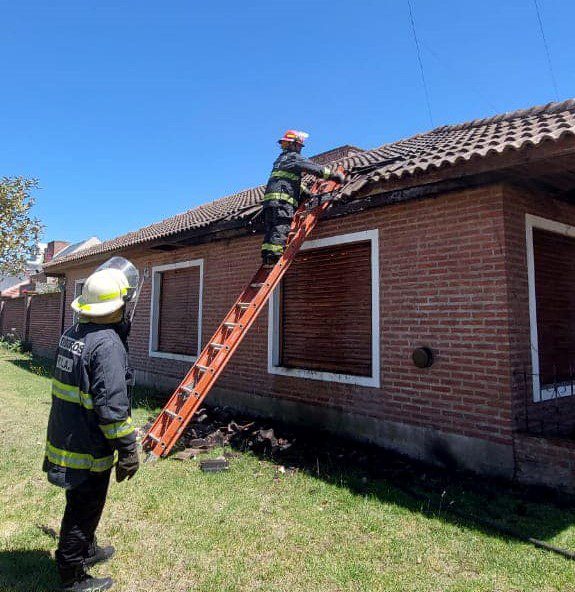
(416, 40)
(548, 53)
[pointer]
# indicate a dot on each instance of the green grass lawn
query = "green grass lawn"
(178, 529)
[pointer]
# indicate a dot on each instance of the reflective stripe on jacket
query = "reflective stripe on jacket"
(285, 178)
(90, 414)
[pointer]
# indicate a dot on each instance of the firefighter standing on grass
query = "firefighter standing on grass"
(283, 192)
(90, 428)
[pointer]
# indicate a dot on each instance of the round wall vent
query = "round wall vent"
(422, 357)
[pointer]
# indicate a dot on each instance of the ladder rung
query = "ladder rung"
(227, 337)
(190, 391)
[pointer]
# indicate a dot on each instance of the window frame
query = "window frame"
(77, 282)
(274, 309)
(157, 271)
(531, 222)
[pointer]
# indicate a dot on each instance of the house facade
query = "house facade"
(458, 241)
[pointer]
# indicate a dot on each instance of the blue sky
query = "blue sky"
(129, 112)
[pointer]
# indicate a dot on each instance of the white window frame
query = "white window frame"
(532, 222)
(77, 293)
(274, 318)
(153, 351)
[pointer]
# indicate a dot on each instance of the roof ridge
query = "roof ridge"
(420, 152)
(552, 107)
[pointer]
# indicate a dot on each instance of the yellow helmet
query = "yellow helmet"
(107, 289)
(102, 294)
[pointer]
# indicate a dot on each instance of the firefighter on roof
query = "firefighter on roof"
(90, 428)
(284, 193)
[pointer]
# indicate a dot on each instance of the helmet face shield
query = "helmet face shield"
(127, 269)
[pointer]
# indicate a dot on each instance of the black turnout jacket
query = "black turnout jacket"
(90, 415)
(284, 183)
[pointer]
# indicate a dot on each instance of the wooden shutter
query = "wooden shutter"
(326, 310)
(554, 256)
(179, 310)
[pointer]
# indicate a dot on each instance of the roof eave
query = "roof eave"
(486, 168)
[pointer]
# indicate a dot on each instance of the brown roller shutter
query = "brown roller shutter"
(555, 297)
(179, 309)
(326, 310)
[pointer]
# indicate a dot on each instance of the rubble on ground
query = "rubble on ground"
(290, 448)
(314, 451)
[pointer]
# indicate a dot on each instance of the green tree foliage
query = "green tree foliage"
(19, 232)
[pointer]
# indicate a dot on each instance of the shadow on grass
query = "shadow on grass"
(146, 398)
(27, 571)
(494, 506)
(38, 366)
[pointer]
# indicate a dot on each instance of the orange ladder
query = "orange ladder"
(188, 396)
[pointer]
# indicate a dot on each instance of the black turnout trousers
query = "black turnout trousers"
(84, 507)
(278, 217)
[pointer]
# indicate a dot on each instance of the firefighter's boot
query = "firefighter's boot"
(97, 554)
(75, 579)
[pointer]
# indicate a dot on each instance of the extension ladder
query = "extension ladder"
(188, 396)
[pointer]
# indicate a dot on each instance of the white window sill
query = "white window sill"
(169, 356)
(324, 376)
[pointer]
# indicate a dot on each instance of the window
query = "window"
(324, 318)
(176, 314)
(551, 274)
(78, 286)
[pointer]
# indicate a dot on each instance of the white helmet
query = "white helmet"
(107, 289)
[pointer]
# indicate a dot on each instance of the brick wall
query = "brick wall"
(13, 317)
(548, 461)
(44, 323)
(34, 319)
(442, 278)
(453, 277)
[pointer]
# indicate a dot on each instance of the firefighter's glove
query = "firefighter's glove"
(127, 466)
(338, 177)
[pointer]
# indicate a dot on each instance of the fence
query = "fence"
(13, 317)
(34, 319)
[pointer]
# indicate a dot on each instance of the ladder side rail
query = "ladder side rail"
(175, 399)
(181, 409)
(174, 429)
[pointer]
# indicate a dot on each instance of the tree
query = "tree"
(19, 232)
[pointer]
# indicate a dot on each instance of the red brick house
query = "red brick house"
(461, 240)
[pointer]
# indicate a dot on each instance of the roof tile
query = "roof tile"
(440, 147)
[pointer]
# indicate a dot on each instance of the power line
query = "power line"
(412, 20)
(552, 74)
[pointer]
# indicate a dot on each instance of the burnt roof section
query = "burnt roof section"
(441, 147)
